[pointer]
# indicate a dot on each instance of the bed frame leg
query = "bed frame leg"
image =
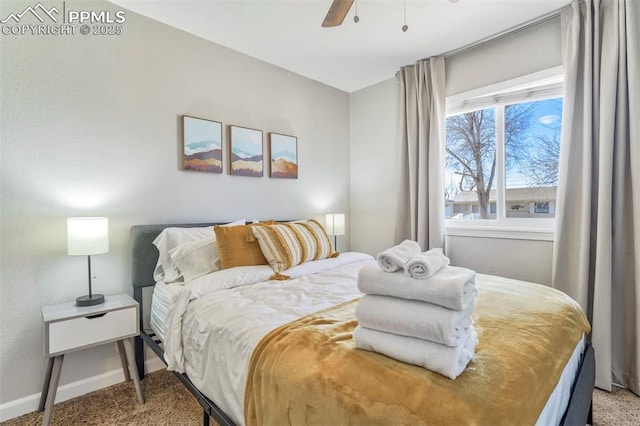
(205, 418)
(139, 349)
(139, 344)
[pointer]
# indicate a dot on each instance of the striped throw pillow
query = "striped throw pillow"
(285, 245)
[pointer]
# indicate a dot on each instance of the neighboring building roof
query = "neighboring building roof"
(546, 193)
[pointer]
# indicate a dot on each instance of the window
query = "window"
(542, 207)
(502, 151)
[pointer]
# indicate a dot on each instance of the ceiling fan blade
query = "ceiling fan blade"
(337, 12)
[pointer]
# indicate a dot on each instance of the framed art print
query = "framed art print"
(246, 152)
(283, 152)
(201, 145)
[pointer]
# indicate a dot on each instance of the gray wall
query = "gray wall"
(90, 126)
(524, 52)
(374, 135)
(521, 259)
(375, 156)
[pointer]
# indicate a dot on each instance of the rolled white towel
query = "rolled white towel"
(415, 318)
(451, 286)
(394, 258)
(423, 265)
(445, 360)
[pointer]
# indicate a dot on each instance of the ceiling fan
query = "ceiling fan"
(338, 11)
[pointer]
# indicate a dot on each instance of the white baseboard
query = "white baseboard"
(25, 405)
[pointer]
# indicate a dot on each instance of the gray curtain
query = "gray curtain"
(420, 215)
(597, 246)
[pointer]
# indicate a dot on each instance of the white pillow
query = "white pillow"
(171, 238)
(196, 258)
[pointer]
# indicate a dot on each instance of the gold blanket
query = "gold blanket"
(308, 372)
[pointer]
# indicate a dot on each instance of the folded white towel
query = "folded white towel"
(394, 258)
(451, 286)
(423, 265)
(415, 318)
(448, 361)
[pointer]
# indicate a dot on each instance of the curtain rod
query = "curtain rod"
(505, 33)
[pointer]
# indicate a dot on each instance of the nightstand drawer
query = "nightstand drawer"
(80, 332)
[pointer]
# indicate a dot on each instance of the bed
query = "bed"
(252, 312)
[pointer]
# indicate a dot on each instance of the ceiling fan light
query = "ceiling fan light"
(405, 27)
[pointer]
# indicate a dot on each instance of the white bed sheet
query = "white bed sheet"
(164, 297)
(216, 353)
(559, 399)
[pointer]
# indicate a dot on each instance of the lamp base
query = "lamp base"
(94, 299)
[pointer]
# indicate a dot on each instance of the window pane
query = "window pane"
(542, 207)
(470, 165)
(532, 149)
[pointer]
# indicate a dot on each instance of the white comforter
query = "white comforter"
(220, 318)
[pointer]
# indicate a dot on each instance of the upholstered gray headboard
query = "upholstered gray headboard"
(144, 254)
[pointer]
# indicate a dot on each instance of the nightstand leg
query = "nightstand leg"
(45, 384)
(132, 367)
(123, 359)
(53, 387)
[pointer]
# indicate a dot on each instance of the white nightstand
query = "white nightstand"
(69, 328)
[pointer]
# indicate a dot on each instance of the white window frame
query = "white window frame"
(545, 84)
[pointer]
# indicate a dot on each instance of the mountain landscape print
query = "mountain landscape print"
(284, 156)
(246, 152)
(202, 145)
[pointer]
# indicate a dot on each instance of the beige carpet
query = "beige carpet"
(169, 403)
(618, 408)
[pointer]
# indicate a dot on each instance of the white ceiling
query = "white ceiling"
(287, 33)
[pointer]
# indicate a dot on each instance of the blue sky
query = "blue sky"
(547, 116)
(545, 121)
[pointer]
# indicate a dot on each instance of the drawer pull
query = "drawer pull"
(96, 315)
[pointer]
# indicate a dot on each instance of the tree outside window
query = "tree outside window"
(527, 135)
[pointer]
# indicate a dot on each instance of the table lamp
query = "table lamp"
(87, 236)
(334, 224)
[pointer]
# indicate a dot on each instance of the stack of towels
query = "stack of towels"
(417, 309)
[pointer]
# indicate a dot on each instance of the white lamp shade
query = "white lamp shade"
(87, 235)
(335, 224)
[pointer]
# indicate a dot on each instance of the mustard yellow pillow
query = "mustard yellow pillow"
(288, 244)
(238, 247)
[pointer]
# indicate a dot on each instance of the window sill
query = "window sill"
(508, 233)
